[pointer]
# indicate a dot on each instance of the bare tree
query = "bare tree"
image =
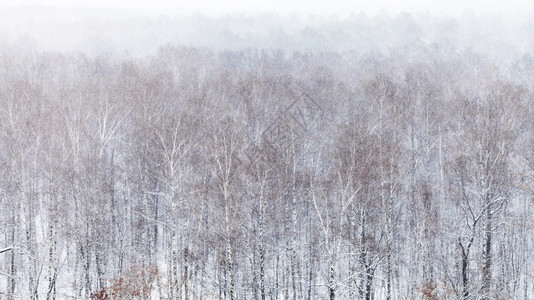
(483, 179)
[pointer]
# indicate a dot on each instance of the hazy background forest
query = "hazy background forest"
(386, 156)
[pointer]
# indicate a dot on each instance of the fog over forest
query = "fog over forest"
(265, 156)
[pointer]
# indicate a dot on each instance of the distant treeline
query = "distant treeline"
(503, 38)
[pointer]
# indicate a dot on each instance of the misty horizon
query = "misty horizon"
(98, 31)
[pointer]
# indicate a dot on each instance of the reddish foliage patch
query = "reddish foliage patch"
(135, 283)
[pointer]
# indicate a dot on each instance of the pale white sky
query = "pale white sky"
(340, 7)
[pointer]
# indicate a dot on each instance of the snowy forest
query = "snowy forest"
(387, 157)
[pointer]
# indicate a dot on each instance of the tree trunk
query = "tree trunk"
(331, 287)
(486, 269)
(262, 256)
(12, 262)
(464, 252)
(369, 283)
